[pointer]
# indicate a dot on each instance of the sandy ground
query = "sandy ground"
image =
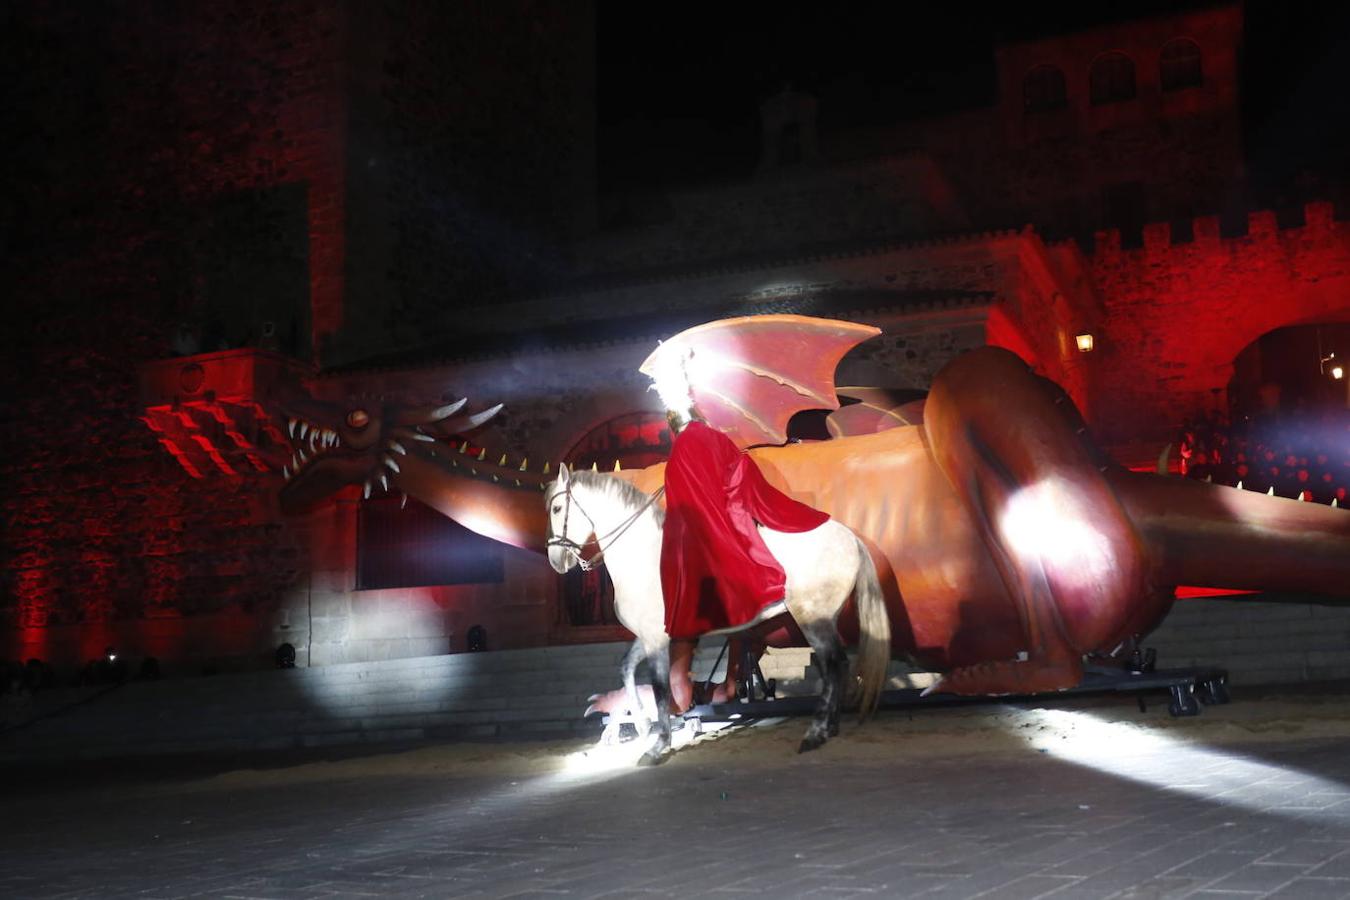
(895, 737)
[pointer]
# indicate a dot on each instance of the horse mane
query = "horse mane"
(623, 490)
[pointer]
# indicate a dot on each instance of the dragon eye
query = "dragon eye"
(557, 509)
(358, 419)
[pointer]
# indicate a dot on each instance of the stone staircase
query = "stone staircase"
(509, 694)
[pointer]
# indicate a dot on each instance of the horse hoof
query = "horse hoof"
(811, 743)
(654, 757)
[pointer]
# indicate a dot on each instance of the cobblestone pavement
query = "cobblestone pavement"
(1089, 800)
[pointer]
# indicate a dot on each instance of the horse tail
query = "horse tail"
(874, 633)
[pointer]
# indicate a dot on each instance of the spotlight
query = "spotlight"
(1337, 372)
(285, 656)
(1085, 342)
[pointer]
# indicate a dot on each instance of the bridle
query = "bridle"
(611, 536)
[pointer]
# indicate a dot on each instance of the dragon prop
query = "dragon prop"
(1009, 547)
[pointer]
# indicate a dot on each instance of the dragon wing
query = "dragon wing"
(749, 375)
(876, 409)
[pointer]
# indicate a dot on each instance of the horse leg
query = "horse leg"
(832, 661)
(631, 659)
(634, 712)
(659, 752)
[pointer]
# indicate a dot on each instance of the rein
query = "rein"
(611, 536)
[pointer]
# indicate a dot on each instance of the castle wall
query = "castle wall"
(1179, 311)
(144, 138)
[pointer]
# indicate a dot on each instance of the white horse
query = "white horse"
(823, 567)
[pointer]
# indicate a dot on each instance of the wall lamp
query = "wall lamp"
(1085, 342)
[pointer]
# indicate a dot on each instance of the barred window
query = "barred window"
(416, 546)
(1179, 65)
(1112, 79)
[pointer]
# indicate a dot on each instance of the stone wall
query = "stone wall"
(471, 160)
(1179, 311)
(134, 125)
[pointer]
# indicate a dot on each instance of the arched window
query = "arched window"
(1179, 65)
(1043, 89)
(1111, 79)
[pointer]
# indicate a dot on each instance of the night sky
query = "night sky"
(679, 84)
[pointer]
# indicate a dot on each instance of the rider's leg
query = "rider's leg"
(681, 683)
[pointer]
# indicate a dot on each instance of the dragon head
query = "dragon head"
(360, 442)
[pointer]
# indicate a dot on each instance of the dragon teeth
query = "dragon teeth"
(290, 427)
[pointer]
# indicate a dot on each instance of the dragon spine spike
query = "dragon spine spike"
(463, 446)
(290, 427)
(482, 454)
(397, 448)
(1271, 492)
(1239, 485)
(617, 466)
(502, 462)
(389, 461)
(495, 479)
(595, 466)
(545, 468)
(523, 464)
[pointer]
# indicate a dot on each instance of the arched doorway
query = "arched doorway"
(1289, 423)
(634, 441)
(1292, 370)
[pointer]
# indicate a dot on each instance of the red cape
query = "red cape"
(716, 571)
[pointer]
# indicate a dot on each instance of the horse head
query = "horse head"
(569, 528)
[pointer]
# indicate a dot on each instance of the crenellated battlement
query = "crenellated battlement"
(1159, 238)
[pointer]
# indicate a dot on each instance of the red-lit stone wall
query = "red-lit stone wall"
(130, 123)
(1178, 313)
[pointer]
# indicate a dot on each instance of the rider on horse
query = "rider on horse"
(716, 572)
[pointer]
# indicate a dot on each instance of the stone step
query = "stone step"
(502, 694)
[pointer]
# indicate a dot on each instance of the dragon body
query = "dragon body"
(1008, 547)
